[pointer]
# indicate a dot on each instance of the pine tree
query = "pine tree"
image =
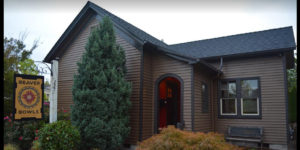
(101, 94)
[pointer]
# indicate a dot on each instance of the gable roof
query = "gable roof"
(134, 31)
(191, 52)
(138, 33)
(261, 41)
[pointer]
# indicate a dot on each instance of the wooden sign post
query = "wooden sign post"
(28, 97)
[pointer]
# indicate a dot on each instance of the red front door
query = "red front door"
(169, 102)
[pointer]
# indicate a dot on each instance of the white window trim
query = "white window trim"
(245, 114)
(228, 113)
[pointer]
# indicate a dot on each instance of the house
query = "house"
(205, 85)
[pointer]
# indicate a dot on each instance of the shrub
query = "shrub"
(175, 139)
(64, 115)
(36, 145)
(22, 133)
(59, 135)
(10, 147)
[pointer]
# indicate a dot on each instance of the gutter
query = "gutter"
(219, 72)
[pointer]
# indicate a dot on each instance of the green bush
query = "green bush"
(22, 133)
(10, 147)
(36, 145)
(59, 135)
(292, 105)
(8, 106)
(64, 115)
(175, 139)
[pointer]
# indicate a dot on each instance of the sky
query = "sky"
(173, 21)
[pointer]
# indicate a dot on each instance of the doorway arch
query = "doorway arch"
(168, 102)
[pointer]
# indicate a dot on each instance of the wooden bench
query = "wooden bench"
(246, 134)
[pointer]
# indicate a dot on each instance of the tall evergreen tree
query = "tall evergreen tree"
(101, 94)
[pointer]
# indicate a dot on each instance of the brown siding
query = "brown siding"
(148, 104)
(156, 65)
(202, 121)
(68, 66)
(270, 71)
(161, 65)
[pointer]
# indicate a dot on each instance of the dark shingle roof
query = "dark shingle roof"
(129, 27)
(268, 40)
(274, 39)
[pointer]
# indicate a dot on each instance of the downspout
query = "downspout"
(220, 67)
(213, 84)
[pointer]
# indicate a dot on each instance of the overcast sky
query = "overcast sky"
(174, 21)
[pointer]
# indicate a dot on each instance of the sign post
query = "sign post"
(28, 97)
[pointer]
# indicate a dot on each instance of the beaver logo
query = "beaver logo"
(28, 97)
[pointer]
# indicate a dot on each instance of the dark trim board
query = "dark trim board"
(286, 96)
(156, 104)
(124, 34)
(141, 97)
(65, 34)
(266, 53)
(193, 97)
(76, 35)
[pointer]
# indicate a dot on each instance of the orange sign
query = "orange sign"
(28, 97)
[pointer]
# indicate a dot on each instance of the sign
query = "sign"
(28, 97)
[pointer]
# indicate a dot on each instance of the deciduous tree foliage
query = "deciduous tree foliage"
(16, 60)
(292, 93)
(100, 92)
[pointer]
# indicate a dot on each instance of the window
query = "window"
(228, 101)
(205, 100)
(249, 97)
(240, 98)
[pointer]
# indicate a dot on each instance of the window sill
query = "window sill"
(239, 117)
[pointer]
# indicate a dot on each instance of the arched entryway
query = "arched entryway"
(168, 101)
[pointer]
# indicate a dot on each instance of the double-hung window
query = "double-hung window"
(249, 97)
(240, 98)
(228, 99)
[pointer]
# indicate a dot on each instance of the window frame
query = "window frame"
(245, 114)
(228, 114)
(239, 114)
(221, 98)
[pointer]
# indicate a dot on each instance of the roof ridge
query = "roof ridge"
(247, 33)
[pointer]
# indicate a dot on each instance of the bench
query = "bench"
(246, 134)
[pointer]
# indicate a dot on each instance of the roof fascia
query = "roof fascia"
(70, 28)
(250, 54)
(168, 51)
(211, 67)
(134, 41)
(100, 15)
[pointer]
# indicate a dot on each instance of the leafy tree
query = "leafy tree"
(292, 92)
(47, 83)
(28, 67)
(101, 94)
(16, 60)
